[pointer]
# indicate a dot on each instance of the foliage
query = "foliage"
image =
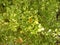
(29, 22)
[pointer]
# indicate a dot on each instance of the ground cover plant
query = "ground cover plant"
(29, 22)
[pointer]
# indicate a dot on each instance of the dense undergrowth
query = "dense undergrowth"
(29, 22)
